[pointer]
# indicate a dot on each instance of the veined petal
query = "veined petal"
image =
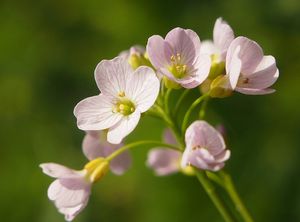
(250, 53)
(57, 170)
(201, 134)
(143, 88)
(96, 113)
(223, 35)
(123, 128)
(264, 76)
(184, 42)
(159, 51)
(111, 76)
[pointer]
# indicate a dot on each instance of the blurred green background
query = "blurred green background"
(48, 52)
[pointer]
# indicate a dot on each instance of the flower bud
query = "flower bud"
(220, 87)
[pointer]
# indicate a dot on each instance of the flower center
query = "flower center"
(124, 105)
(177, 68)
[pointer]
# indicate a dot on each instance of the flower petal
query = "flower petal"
(264, 76)
(163, 161)
(143, 88)
(57, 170)
(223, 35)
(96, 113)
(208, 47)
(159, 51)
(69, 192)
(169, 137)
(185, 42)
(201, 134)
(233, 66)
(121, 163)
(111, 76)
(250, 53)
(123, 128)
(250, 91)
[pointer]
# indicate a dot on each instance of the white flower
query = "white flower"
(125, 94)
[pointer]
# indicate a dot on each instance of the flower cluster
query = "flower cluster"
(139, 81)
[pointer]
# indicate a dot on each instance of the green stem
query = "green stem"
(181, 98)
(203, 109)
(139, 143)
(238, 203)
(216, 199)
(189, 111)
(166, 100)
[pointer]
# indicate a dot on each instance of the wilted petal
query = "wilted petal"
(143, 88)
(123, 128)
(111, 76)
(163, 161)
(96, 113)
(223, 35)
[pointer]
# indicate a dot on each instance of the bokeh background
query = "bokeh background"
(48, 52)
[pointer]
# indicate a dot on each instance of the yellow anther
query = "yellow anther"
(121, 107)
(173, 58)
(121, 94)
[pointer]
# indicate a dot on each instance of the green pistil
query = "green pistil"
(124, 106)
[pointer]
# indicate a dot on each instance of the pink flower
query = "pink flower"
(248, 70)
(125, 94)
(205, 147)
(222, 37)
(70, 191)
(178, 57)
(94, 145)
(164, 161)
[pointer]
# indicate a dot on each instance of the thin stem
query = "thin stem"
(238, 203)
(166, 100)
(189, 111)
(181, 98)
(203, 109)
(216, 199)
(139, 143)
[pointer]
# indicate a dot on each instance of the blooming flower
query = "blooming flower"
(136, 56)
(205, 147)
(178, 57)
(94, 145)
(125, 94)
(71, 190)
(248, 70)
(164, 161)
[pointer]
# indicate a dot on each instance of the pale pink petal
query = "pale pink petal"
(185, 42)
(123, 128)
(69, 192)
(208, 47)
(159, 51)
(121, 163)
(202, 64)
(143, 88)
(71, 212)
(111, 76)
(185, 159)
(264, 76)
(223, 35)
(163, 161)
(169, 137)
(57, 170)
(233, 66)
(201, 134)
(96, 113)
(250, 53)
(205, 155)
(223, 156)
(250, 91)
(93, 147)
